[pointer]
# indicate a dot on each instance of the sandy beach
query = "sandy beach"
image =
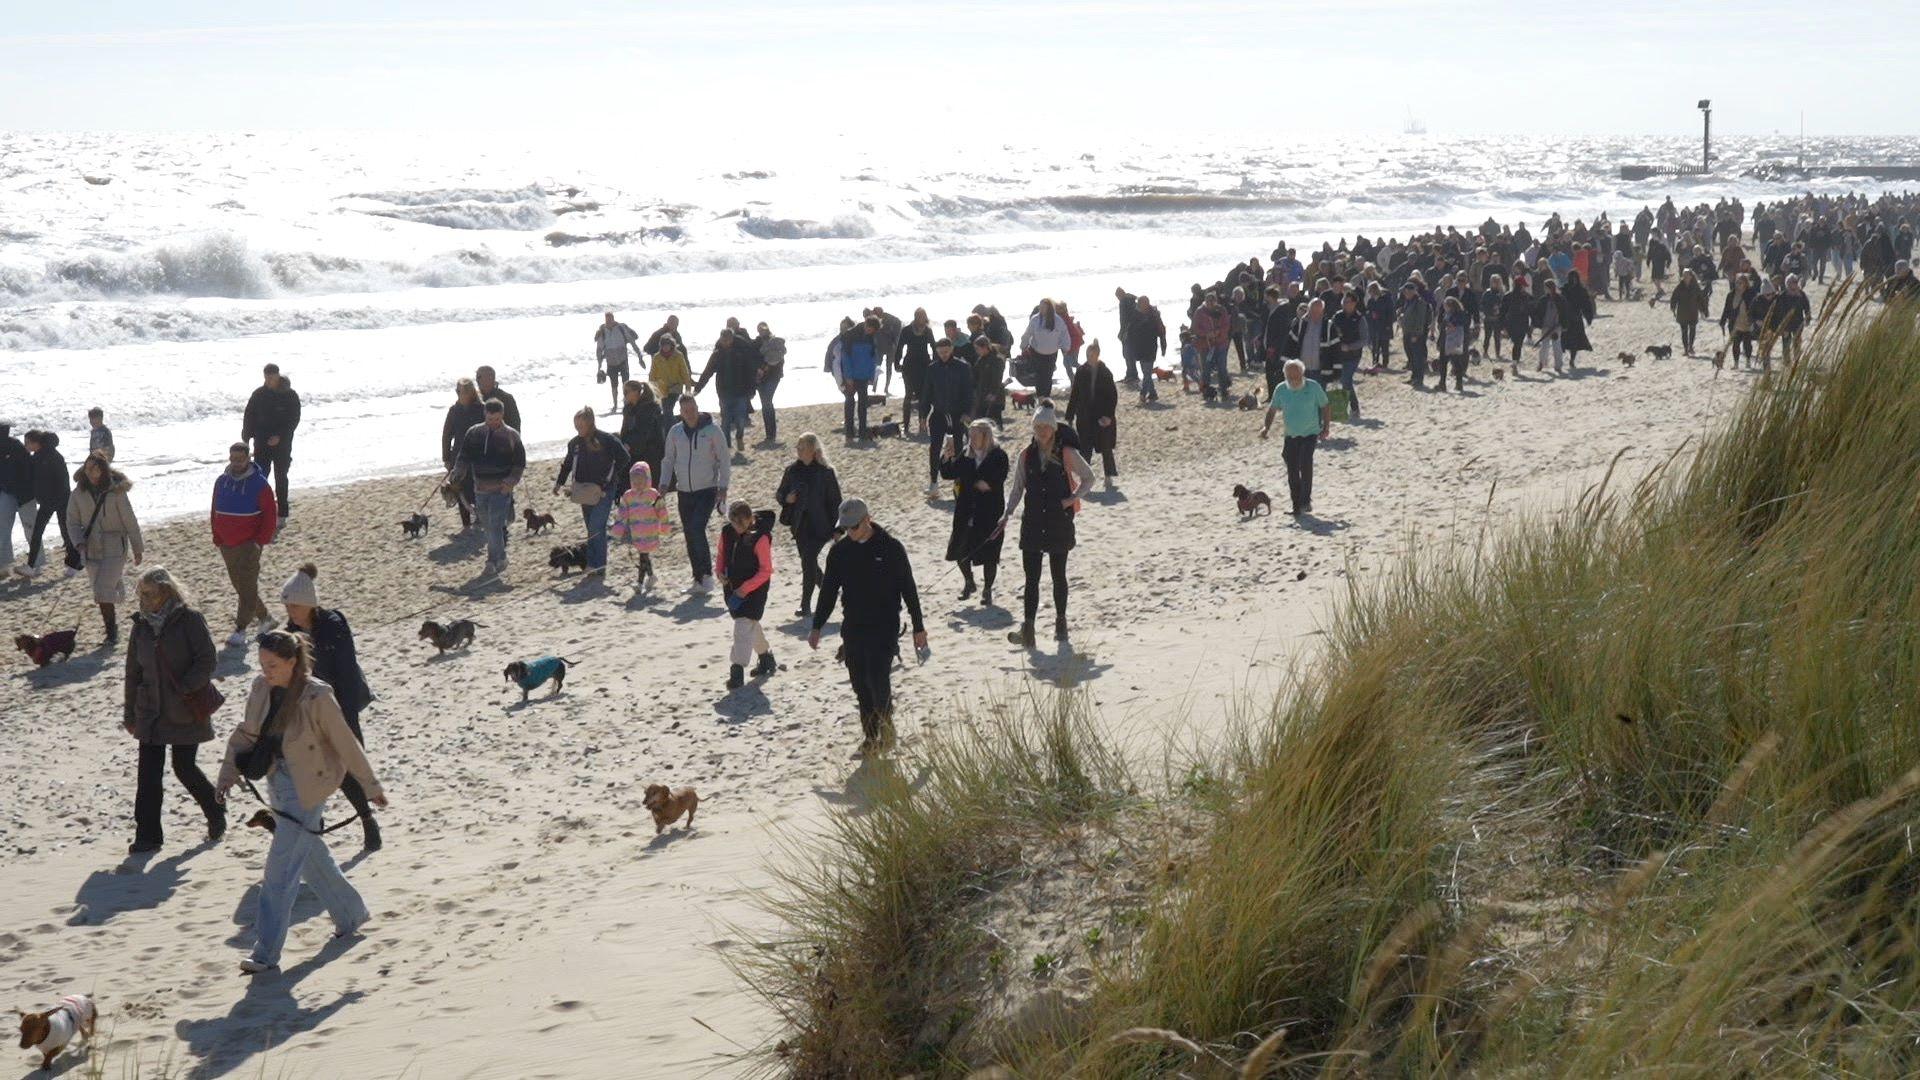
(527, 922)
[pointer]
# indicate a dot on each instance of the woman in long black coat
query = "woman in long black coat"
(170, 655)
(642, 430)
(809, 500)
(979, 475)
(336, 662)
(1094, 405)
(1576, 311)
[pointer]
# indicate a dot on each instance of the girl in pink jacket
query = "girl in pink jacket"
(640, 518)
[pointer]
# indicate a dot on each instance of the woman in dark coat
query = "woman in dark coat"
(336, 663)
(170, 654)
(1576, 307)
(466, 411)
(642, 428)
(1046, 480)
(1095, 401)
(809, 500)
(594, 459)
(979, 476)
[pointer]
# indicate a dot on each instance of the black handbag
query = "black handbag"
(256, 761)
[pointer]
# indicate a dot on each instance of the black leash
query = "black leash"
(255, 792)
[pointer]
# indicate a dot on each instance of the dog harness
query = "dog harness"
(539, 671)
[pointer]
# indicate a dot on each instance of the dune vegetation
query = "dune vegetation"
(1626, 789)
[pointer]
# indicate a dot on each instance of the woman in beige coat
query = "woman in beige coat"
(108, 533)
(313, 749)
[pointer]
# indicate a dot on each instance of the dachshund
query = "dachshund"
(1250, 502)
(562, 557)
(45, 650)
(667, 805)
(530, 675)
(537, 523)
(453, 635)
(1659, 352)
(414, 526)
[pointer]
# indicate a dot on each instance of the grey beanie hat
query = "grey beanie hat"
(300, 589)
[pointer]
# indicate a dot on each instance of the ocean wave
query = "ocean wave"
(438, 196)
(472, 214)
(846, 227)
(216, 264)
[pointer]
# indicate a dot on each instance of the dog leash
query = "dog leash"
(255, 792)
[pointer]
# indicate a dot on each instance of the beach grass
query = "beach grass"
(1625, 789)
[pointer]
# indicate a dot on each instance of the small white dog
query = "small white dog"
(49, 1032)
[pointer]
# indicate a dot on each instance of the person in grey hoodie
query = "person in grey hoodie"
(697, 467)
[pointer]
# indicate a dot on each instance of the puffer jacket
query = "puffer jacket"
(116, 532)
(640, 517)
(154, 703)
(317, 747)
(696, 459)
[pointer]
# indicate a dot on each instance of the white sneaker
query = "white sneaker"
(250, 966)
(703, 586)
(238, 637)
(25, 571)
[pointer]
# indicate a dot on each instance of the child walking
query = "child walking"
(640, 518)
(744, 569)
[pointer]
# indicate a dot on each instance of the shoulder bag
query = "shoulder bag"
(201, 703)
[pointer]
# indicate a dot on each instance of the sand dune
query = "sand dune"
(527, 921)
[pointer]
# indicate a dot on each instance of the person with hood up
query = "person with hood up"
(611, 340)
(640, 519)
(643, 428)
(170, 655)
(109, 532)
(745, 569)
(1689, 305)
(47, 479)
(336, 663)
(1095, 400)
(243, 523)
(809, 498)
(592, 474)
(1047, 338)
(979, 475)
(869, 570)
(1047, 481)
(697, 468)
(272, 414)
(853, 371)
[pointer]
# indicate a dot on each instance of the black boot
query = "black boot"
(1022, 637)
(216, 825)
(1060, 628)
(765, 667)
(736, 678)
(112, 624)
(370, 832)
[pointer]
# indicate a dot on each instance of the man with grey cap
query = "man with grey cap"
(867, 570)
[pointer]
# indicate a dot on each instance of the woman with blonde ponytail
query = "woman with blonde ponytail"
(294, 724)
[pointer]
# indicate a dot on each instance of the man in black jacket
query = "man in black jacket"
(868, 569)
(948, 386)
(273, 412)
(736, 362)
(490, 389)
(1142, 333)
(493, 457)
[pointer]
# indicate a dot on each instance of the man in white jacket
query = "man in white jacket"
(697, 466)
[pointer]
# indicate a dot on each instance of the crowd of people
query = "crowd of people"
(1307, 326)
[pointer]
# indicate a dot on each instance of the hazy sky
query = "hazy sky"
(1499, 66)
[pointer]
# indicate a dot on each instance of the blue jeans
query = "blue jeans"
(9, 509)
(1349, 366)
(767, 421)
(596, 519)
(733, 417)
(296, 854)
(496, 516)
(696, 510)
(1215, 364)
